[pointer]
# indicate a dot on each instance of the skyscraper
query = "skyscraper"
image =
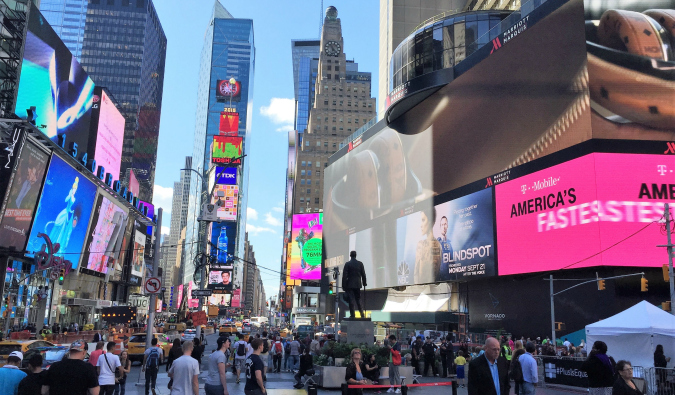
(228, 52)
(305, 54)
(122, 46)
(342, 104)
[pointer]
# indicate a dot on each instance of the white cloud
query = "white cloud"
(285, 128)
(278, 209)
(280, 111)
(271, 220)
(165, 229)
(251, 213)
(162, 197)
(256, 230)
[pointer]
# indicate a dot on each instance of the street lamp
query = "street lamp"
(233, 83)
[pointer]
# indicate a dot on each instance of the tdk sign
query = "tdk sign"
(226, 175)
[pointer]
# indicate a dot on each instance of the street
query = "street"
(275, 381)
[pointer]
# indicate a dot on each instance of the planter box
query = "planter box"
(330, 376)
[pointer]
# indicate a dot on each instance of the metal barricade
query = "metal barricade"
(660, 381)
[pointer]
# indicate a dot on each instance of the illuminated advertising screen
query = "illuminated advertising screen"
(53, 81)
(306, 246)
(221, 300)
(151, 214)
(107, 134)
(138, 259)
(192, 303)
(226, 91)
(228, 195)
(220, 279)
(23, 195)
(227, 150)
(64, 210)
(134, 186)
(123, 248)
(226, 175)
(605, 205)
(229, 124)
(223, 237)
(107, 227)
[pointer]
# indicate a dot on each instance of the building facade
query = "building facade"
(68, 18)
(305, 54)
(228, 52)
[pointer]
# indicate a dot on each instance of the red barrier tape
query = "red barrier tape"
(408, 385)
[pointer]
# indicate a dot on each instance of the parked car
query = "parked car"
(49, 355)
(8, 346)
(188, 335)
(136, 347)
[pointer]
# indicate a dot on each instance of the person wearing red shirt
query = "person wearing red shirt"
(93, 357)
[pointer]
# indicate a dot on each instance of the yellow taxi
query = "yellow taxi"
(238, 324)
(9, 346)
(227, 328)
(136, 347)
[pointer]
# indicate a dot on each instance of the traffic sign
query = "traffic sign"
(201, 292)
(153, 285)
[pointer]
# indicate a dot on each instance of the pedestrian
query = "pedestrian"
(447, 356)
(315, 346)
(600, 369)
(460, 361)
(32, 384)
(506, 352)
(511, 343)
(265, 354)
(660, 363)
(295, 353)
(215, 383)
(306, 365)
(488, 373)
(93, 357)
(354, 372)
(287, 354)
(567, 344)
(254, 371)
(515, 370)
(198, 351)
(625, 385)
(71, 375)
(107, 367)
(151, 359)
(124, 370)
(10, 374)
(277, 352)
(372, 371)
(416, 354)
(429, 350)
(528, 365)
(184, 373)
(175, 352)
(97, 338)
(394, 363)
(241, 350)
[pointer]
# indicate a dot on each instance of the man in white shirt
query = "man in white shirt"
(106, 366)
(567, 344)
(185, 373)
(241, 347)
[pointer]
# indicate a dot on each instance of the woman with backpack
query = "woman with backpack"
(277, 353)
(515, 370)
(197, 351)
(600, 368)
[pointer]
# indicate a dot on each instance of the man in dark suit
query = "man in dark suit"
(488, 374)
(352, 274)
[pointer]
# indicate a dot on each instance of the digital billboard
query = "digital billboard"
(22, 196)
(229, 201)
(133, 186)
(229, 124)
(227, 150)
(220, 279)
(226, 175)
(138, 258)
(107, 134)
(306, 246)
(607, 206)
(221, 300)
(102, 243)
(223, 239)
(64, 210)
(226, 91)
(53, 81)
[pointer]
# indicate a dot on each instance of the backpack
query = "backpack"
(241, 349)
(266, 346)
(287, 349)
(277, 348)
(153, 359)
(516, 371)
(395, 357)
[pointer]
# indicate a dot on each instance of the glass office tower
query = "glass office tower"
(228, 52)
(122, 46)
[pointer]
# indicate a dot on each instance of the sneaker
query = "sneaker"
(398, 390)
(237, 381)
(390, 390)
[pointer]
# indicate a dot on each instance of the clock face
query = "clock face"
(333, 48)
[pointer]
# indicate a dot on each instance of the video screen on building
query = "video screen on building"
(221, 248)
(601, 209)
(306, 246)
(63, 213)
(138, 256)
(227, 150)
(53, 82)
(133, 186)
(105, 235)
(226, 91)
(107, 134)
(221, 300)
(23, 196)
(225, 176)
(229, 201)
(220, 279)
(229, 123)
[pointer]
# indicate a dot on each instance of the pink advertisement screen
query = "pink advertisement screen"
(306, 246)
(110, 137)
(600, 209)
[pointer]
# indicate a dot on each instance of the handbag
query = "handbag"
(117, 380)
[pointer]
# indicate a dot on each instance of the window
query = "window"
(302, 200)
(325, 164)
(309, 173)
(325, 143)
(349, 120)
(302, 172)
(307, 143)
(318, 165)
(318, 143)
(309, 182)
(309, 190)
(335, 145)
(337, 68)
(325, 102)
(316, 200)
(309, 163)
(328, 67)
(318, 172)
(302, 181)
(327, 76)
(303, 162)
(349, 103)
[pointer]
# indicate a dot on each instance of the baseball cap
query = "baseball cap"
(17, 354)
(78, 345)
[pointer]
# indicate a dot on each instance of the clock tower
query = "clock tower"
(342, 104)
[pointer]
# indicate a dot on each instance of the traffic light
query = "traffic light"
(666, 274)
(643, 284)
(665, 306)
(330, 288)
(62, 274)
(601, 285)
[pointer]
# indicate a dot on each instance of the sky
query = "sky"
(275, 23)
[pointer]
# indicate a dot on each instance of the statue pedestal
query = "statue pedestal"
(358, 331)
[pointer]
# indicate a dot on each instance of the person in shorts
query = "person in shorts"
(241, 350)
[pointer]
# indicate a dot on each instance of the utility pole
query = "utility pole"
(152, 306)
(552, 311)
(669, 248)
(336, 274)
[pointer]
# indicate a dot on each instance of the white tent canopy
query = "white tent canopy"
(419, 298)
(634, 333)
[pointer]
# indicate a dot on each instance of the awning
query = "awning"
(419, 298)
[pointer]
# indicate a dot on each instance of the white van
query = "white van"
(258, 321)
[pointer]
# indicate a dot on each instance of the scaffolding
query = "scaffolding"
(12, 35)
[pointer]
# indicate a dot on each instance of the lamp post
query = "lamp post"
(202, 273)
(233, 83)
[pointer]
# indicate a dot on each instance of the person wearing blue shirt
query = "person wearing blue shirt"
(446, 252)
(488, 373)
(10, 375)
(529, 367)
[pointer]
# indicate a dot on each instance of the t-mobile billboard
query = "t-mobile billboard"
(595, 210)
